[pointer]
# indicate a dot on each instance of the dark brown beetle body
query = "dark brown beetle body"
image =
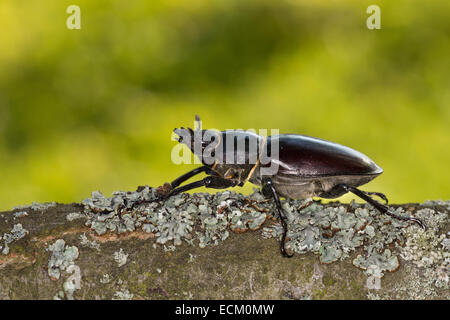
(287, 165)
(311, 167)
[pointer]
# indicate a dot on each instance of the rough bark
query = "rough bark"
(245, 266)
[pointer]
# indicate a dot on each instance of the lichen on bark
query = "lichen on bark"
(225, 246)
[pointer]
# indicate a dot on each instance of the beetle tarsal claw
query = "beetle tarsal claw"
(164, 190)
(416, 220)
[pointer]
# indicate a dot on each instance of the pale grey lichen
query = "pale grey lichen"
(105, 279)
(103, 213)
(123, 294)
(434, 203)
(174, 219)
(20, 214)
(422, 248)
(61, 258)
(188, 295)
(374, 271)
(16, 233)
(446, 242)
(332, 231)
(75, 215)
(329, 254)
(418, 284)
(191, 257)
(373, 296)
(73, 282)
(120, 199)
(173, 224)
(59, 295)
(434, 219)
(120, 257)
(37, 206)
(377, 263)
(168, 248)
(85, 242)
(213, 229)
(429, 249)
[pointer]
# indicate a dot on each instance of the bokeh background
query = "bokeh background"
(89, 109)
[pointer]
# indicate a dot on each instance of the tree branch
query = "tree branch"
(222, 246)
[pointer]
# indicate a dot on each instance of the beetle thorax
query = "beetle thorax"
(232, 154)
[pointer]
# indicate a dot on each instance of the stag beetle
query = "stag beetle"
(305, 167)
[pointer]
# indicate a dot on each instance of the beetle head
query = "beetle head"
(201, 142)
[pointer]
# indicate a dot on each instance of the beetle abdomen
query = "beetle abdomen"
(311, 167)
(305, 156)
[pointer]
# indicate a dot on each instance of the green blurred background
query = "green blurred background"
(89, 109)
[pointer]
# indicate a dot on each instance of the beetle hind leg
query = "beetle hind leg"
(378, 194)
(379, 206)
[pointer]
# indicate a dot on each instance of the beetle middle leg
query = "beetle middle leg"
(175, 183)
(381, 207)
(269, 190)
(213, 182)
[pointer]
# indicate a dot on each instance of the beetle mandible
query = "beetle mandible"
(306, 167)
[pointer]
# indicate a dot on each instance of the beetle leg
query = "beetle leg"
(175, 183)
(269, 189)
(165, 191)
(213, 182)
(379, 194)
(381, 207)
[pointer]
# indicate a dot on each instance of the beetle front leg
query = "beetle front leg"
(213, 182)
(269, 190)
(175, 183)
(165, 189)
